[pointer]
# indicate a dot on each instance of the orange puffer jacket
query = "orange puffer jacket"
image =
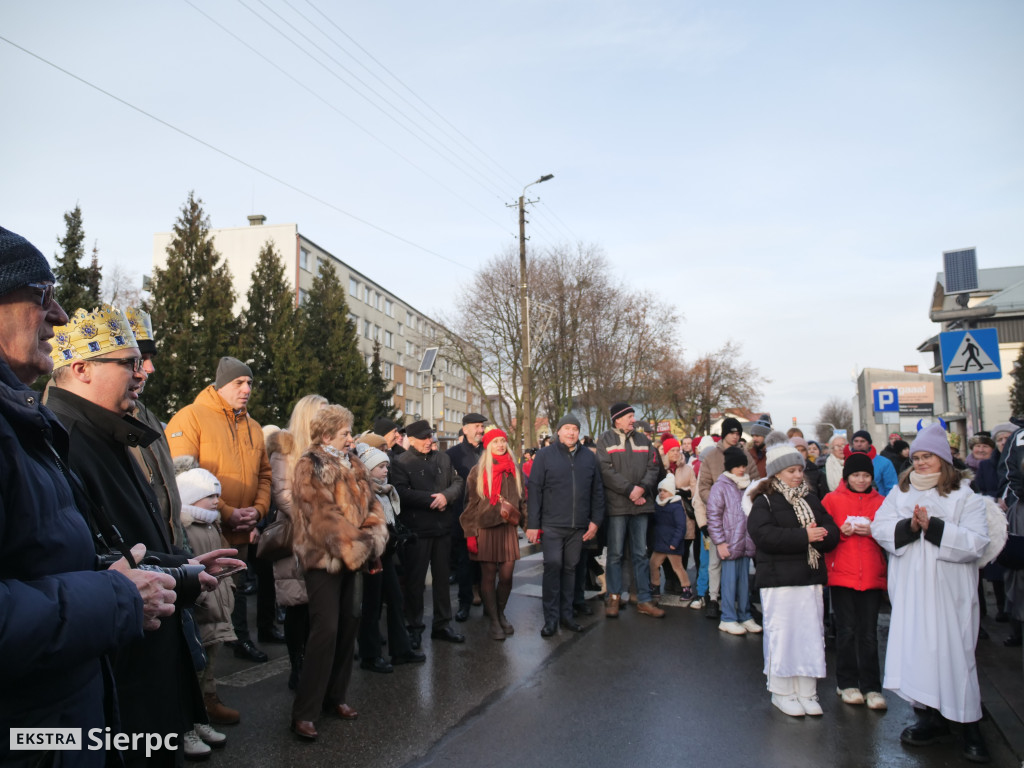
(230, 446)
(858, 562)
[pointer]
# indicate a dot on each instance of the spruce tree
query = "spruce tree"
(192, 310)
(379, 390)
(1017, 388)
(269, 337)
(75, 285)
(94, 275)
(330, 342)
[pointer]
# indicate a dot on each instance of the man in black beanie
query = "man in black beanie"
(464, 456)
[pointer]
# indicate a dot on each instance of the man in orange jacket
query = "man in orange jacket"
(217, 430)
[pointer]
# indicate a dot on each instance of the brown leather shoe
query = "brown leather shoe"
(611, 610)
(218, 713)
(345, 712)
(304, 729)
(650, 609)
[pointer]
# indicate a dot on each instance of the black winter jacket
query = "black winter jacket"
(782, 543)
(565, 489)
(417, 477)
(628, 460)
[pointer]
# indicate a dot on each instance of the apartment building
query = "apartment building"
(403, 331)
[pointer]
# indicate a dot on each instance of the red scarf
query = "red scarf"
(500, 465)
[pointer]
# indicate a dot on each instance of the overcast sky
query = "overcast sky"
(787, 174)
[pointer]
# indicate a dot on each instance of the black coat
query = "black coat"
(417, 477)
(781, 542)
(157, 687)
(59, 615)
(565, 490)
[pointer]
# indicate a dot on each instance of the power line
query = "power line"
(231, 157)
(353, 122)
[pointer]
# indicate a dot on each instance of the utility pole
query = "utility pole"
(529, 438)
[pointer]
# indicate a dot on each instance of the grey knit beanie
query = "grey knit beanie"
(21, 263)
(229, 369)
(780, 454)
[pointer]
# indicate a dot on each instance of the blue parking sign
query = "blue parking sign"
(887, 400)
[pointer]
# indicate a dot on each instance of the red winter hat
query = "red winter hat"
(668, 443)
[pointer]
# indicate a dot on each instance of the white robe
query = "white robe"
(929, 660)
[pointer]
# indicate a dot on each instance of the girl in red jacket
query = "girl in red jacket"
(856, 580)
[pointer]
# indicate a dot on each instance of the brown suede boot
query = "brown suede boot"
(650, 609)
(219, 714)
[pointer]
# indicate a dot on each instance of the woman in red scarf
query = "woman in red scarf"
(494, 507)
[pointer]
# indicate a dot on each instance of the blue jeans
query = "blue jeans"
(702, 570)
(637, 527)
(736, 589)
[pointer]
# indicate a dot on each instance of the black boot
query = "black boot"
(930, 726)
(974, 745)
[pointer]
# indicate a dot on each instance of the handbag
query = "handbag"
(276, 540)
(509, 513)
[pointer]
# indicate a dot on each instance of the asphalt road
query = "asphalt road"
(634, 691)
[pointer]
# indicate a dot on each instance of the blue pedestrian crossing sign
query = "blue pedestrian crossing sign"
(970, 355)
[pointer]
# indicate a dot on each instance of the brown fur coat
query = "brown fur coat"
(337, 520)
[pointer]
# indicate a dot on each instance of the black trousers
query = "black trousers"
(561, 548)
(379, 589)
(433, 553)
(856, 618)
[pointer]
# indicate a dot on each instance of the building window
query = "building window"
(367, 293)
(410, 348)
(367, 329)
(376, 333)
(389, 308)
(353, 287)
(305, 262)
(399, 389)
(408, 407)
(400, 329)
(410, 378)
(389, 340)
(354, 319)
(389, 371)
(303, 295)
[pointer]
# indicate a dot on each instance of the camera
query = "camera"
(186, 577)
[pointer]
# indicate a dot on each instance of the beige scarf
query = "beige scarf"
(833, 472)
(804, 513)
(924, 482)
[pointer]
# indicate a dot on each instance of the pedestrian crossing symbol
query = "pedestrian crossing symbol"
(970, 355)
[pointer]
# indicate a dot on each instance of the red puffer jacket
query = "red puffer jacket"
(858, 562)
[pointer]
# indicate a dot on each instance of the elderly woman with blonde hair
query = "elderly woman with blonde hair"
(339, 529)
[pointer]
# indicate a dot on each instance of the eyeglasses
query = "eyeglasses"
(45, 291)
(135, 363)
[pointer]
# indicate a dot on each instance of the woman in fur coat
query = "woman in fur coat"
(338, 529)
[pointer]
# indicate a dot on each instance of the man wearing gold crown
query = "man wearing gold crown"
(96, 380)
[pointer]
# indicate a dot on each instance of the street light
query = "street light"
(524, 311)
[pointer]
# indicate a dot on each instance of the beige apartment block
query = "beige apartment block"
(403, 331)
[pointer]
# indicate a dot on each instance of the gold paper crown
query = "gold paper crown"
(91, 334)
(141, 324)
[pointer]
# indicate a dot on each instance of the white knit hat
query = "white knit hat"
(668, 484)
(370, 456)
(197, 484)
(780, 453)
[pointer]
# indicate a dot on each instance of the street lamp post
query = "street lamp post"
(524, 311)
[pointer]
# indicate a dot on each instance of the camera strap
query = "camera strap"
(103, 530)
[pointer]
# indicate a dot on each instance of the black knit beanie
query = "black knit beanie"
(21, 263)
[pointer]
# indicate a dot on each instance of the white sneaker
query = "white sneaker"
(850, 695)
(195, 748)
(788, 704)
(876, 700)
(697, 604)
(811, 706)
(732, 627)
(209, 735)
(751, 626)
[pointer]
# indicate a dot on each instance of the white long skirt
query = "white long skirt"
(794, 631)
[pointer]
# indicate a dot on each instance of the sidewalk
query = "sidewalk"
(1001, 677)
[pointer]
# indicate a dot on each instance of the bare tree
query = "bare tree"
(121, 287)
(712, 383)
(836, 413)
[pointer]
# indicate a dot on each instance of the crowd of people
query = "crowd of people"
(127, 547)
